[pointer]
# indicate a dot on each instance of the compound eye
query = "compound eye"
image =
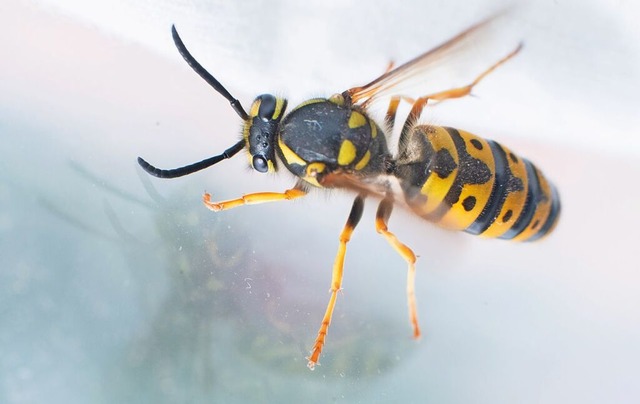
(267, 107)
(260, 164)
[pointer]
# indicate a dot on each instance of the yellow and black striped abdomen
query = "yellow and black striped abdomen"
(463, 182)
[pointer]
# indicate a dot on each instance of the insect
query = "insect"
(447, 176)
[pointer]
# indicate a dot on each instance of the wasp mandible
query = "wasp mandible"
(447, 176)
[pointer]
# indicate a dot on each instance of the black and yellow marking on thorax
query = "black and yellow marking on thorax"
(329, 132)
(356, 120)
(309, 102)
(289, 156)
(347, 153)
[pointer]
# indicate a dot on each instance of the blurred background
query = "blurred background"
(118, 287)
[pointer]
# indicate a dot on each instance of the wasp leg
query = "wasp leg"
(392, 110)
(463, 91)
(440, 96)
(412, 118)
(255, 198)
(336, 278)
(390, 117)
(382, 217)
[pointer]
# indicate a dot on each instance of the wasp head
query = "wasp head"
(260, 130)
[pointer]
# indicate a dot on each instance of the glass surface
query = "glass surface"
(119, 287)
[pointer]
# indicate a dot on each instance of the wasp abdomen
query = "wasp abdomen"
(464, 182)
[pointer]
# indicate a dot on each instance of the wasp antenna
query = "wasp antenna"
(202, 72)
(191, 168)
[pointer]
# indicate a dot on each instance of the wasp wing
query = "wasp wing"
(377, 186)
(454, 63)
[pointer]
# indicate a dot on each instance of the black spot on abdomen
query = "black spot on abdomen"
(507, 216)
(469, 203)
(476, 143)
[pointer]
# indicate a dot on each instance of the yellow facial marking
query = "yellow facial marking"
(347, 151)
(289, 155)
(278, 111)
(364, 161)
(245, 130)
(271, 167)
(254, 108)
(356, 120)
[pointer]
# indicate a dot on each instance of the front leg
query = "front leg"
(297, 191)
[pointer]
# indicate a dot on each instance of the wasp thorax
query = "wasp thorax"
(261, 128)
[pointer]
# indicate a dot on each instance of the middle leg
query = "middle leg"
(336, 279)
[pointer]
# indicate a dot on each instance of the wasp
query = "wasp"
(447, 176)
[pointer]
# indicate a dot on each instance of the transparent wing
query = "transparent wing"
(377, 188)
(456, 62)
